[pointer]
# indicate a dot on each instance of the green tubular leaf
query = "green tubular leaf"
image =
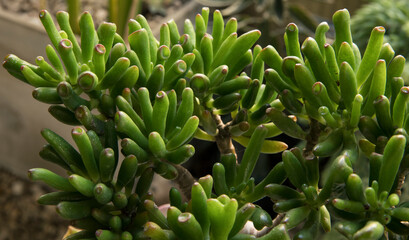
(101, 234)
(181, 154)
(107, 165)
(63, 115)
(87, 154)
(238, 48)
(377, 87)
(206, 50)
(63, 148)
(127, 80)
(305, 81)
(87, 36)
(65, 49)
(50, 27)
(54, 59)
(369, 128)
(74, 210)
(106, 33)
(153, 45)
(200, 30)
(157, 145)
(354, 188)
(243, 62)
(102, 193)
(114, 73)
(371, 230)
(217, 30)
(311, 51)
(155, 215)
(251, 154)
(56, 197)
(90, 121)
(280, 192)
(341, 20)
(392, 157)
(224, 49)
(154, 231)
(48, 69)
(34, 79)
(186, 133)
(123, 105)
(160, 112)
(329, 145)
(219, 176)
(82, 185)
(188, 45)
(164, 38)
(401, 213)
(285, 124)
(120, 200)
(156, 80)
(162, 54)
(348, 84)
(51, 179)
(127, 171)
(295, 216)
(124, 124)
(146, 107)
(356, 111)
(230, 86)
(261, 219)
(292, 43)
(375, 162)
(294, 169)
(13, 65)
(371, 55)
(222, 213)
(346, 54)
(98, 60)
(199, 207)
(276, 175)
(383, 114)
(138, 41)
(200, 85)
(331, 61)
(175, 72)
(319, 90)
(242, 216)
(144, 182)
(133, 26)
(325, 219)
(173, 31)
(111, 138)
(63, 20)
(49, 154)
(395, 69)
(207, 184)
(87, 81)
(279, 232)
(287, 205)
(176, 53)
(267, 147)
(134, 60)
(129, 147)
(249, 97)
(399, 107)
(185, 109)
(320, 31)
(190, 30)
(272, 77)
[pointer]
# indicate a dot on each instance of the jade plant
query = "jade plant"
(136, 107)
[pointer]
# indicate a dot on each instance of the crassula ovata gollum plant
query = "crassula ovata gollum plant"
(145, 99)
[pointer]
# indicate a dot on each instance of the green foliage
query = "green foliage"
(155, 96)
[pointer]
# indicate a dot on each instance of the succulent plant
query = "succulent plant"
(156, 95)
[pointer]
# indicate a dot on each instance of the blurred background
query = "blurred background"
(22, 118)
